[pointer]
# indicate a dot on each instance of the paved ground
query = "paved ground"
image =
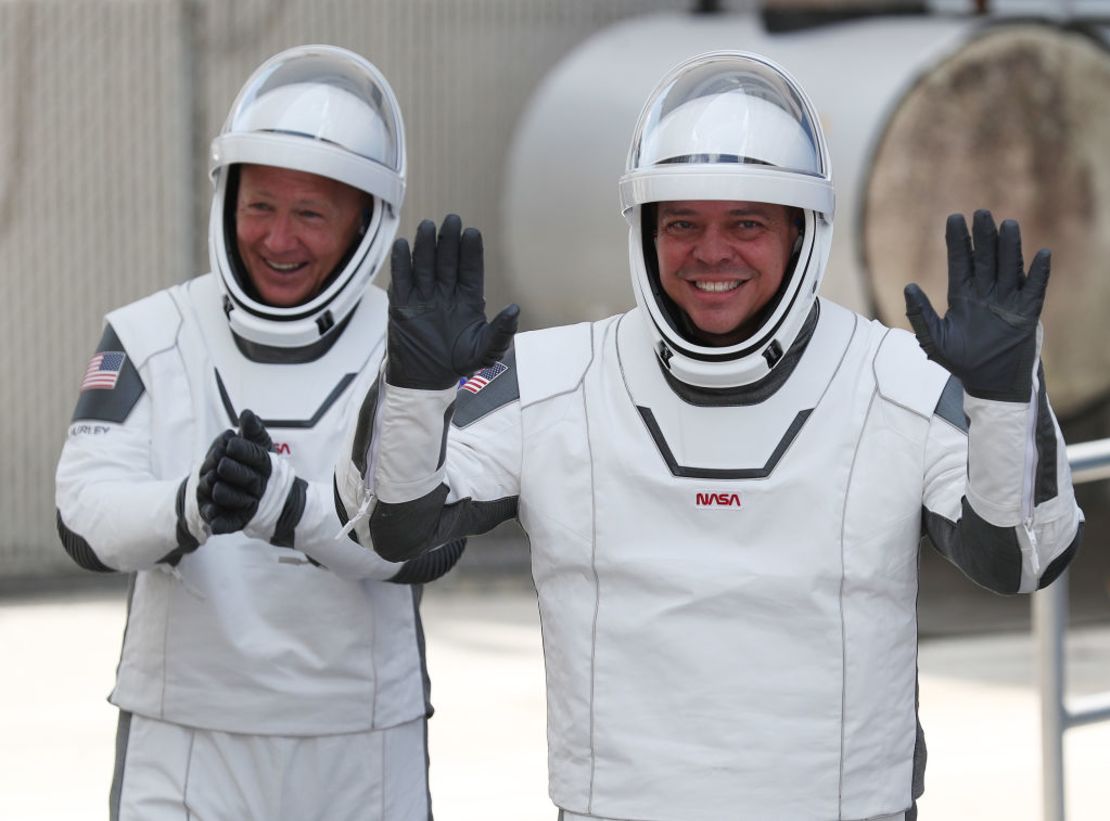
(488, 761)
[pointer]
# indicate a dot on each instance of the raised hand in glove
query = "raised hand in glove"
(988, 337)
(249, 486)
(437, 322)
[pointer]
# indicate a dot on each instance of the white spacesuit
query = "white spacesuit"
(280, 629)
(724, 538)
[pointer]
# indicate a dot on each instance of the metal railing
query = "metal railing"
(1090, 462)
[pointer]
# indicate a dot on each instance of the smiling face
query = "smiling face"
(722, 262)
(292, 229)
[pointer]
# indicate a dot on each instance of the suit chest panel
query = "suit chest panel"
(202, 385)
(716, 495)
(736, 473)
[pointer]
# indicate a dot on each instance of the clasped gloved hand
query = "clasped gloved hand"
(437, 323)
(193, 496)
(206, 475)
(243, 484)
(988, 337)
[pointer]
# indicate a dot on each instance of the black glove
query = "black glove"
(437, 322)
(239, 478)
(988, 338)
(207, 471)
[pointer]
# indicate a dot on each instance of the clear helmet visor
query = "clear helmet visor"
(725, 111)
(322, 110)
(729, 126)
(317, 96)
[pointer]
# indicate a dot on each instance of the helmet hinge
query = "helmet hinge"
(773, 353)
(665, 355)
(325, 322)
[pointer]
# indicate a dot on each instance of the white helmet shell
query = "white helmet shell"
(732, 126)
(321, 110)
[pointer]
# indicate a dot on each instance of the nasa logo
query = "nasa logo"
(728, 500)
(282, 449)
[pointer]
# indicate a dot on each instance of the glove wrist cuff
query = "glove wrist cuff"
(400, 377)
(265, 519)
(1017, 393)
(410, 460)
(189, 510)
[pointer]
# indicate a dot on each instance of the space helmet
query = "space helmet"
(733, 126)
(327, 111)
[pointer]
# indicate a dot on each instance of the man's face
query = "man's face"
(292, 228)
(722, 262)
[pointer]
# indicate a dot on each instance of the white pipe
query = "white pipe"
(1090, 461)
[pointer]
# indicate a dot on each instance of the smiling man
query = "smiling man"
(269, 670)
(725, 488)
(292, 229)
(721, 263)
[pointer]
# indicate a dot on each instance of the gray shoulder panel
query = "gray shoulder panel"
(486, 391)
(950, 406)
(111, 385)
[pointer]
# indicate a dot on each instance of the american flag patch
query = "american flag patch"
(103, 371)
(483, 377)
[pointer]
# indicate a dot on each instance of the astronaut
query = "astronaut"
(725, 488)
(271, 668)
